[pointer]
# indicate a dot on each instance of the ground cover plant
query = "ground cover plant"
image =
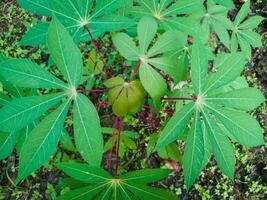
(165, 57)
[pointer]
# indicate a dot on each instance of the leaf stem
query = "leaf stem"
(136, 69)
(95, 64)
(118, 145)
(98, 51)
(112, 145)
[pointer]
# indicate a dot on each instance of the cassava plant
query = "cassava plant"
(170, 49)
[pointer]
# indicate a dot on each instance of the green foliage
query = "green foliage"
(103, 186)
(151, 35)
(152, 58)
(242, 32)
(219, 121)
(42, 141)
(74, 15)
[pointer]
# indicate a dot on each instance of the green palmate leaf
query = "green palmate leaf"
(244, 99)
(84, 172)
(76, 14)
(230, 69)
(66, 142)
(184, 7)
(151, 78)
(42, 142)
(7, 143)
(126, 46)
(12, 89)
(222, 34)
(4, 99)
(111, 23)
(83, 193)
(244, 46)
(87, 131)
(167, 65)
(227, 3)
(194, 152)
(181, 24)
(23, 135)
(176, 126)
(148, 193)
(36, 35)
(199, 66)
(214, 18)
(207, 146)
(242, 127)
(24, 73)
(242, 14)
(20, 112)
(68, 60)
(169, 41)
(147, 29)
(221, 145)
(151, 59)
(103, 186)
(145, 176)
(253, 38)
(251, 23)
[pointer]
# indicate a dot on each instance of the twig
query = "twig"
(98, 51)
(136, 69)
(118, 145)
(112, 145)
(89, 57)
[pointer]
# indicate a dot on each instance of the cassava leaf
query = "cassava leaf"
(87, 131)
(149, 78)
(175, 126)
(36, 35)
(145, 176)
(199, 66)
(20, 112)
(126, 46)
(231, 68)
(221, 145)
(251, 22)
(68, 60)
(242, 127)
(4, 99)
(24, 73)
(42, 142)
(147, 29)
(194, 152)
(243, 12)
(243, 99)
(84, 172)
(7, 143)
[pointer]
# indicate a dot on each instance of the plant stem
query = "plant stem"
(136, 69)
(89, 57)
(179, 99)
(112, 145)
(98, 51)
(118, 145)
